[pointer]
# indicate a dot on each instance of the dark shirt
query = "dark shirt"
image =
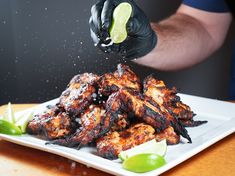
(218, 6)
(208, 5)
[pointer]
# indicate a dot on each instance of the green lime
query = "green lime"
(9, 128)
(143, 162)
(121, 15)
(23, 121)
(152, 146)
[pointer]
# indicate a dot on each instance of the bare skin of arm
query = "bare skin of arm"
(186, 38)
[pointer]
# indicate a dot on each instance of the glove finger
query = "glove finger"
(94, 37)
(101, 35)
(106, 14)
(92, 27)
(96, 10)
(138, 21)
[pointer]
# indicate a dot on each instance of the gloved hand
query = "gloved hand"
(141, 38)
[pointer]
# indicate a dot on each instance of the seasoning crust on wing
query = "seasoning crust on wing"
(112, 144)
(79, 93)
(51, 124)
(144, 109)
(123, 77)
(169, 102)
(89, 128)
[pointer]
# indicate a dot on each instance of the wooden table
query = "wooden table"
(16, 160)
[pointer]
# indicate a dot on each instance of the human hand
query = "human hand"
(141, 38)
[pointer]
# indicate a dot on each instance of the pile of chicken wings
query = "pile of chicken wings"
(114, 112)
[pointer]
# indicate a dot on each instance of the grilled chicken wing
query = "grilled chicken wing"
(112, 111)
(122, 77)
(144, 109)
(91, 122)
(79, 93)
(169, 102)
(112, 144)
(90, 127)
(52, 124)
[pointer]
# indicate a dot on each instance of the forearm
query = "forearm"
(182, 42)
(185, 40)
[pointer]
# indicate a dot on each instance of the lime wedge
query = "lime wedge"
(143, 162)
(9, 114)
(121, 15)
(152, 146)
(9, 128)
(23, 120)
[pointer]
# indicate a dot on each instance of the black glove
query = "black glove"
(141, 38)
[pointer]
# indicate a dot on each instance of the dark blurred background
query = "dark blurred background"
(43, 44)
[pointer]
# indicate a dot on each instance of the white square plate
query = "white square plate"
(221, 123)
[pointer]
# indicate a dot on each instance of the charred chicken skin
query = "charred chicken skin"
(121, 78)
(52, 124)
(112, 144)
(169, 102)
(90, 123)
(79, 93)
(128, 100)
(89, 128)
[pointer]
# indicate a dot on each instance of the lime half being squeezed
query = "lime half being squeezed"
(121, 15)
